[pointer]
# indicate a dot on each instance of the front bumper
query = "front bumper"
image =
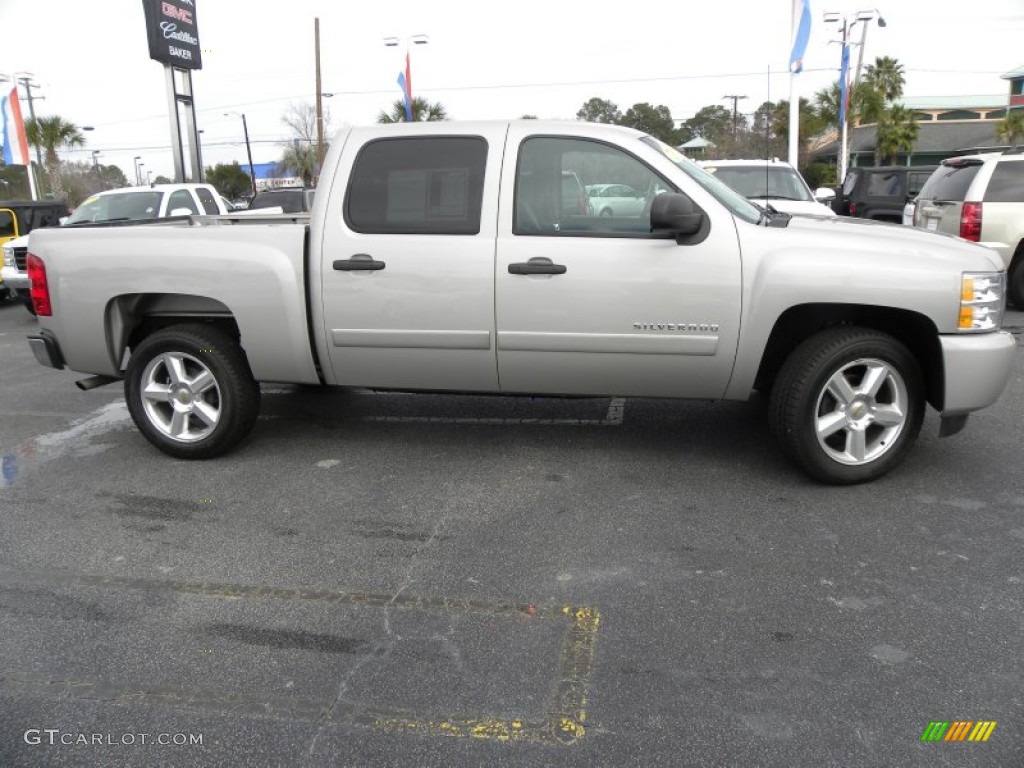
(15, 280)
(45, 348)
(977, 369)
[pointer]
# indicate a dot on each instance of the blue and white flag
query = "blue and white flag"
(801, 34)
(844, 85)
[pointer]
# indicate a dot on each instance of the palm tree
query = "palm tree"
(422, 111)
(897, 132)
(299, 159)
(886, 77)
(1011, 127)
(50, 134)
(865, 105)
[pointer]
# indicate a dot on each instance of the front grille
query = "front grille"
(20, 256)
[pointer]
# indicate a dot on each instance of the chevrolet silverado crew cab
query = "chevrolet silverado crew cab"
(443, 257)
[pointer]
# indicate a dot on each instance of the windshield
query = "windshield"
(725, 194)
(131, 206)
(763, 182)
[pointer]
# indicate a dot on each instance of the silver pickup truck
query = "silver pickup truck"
(454, 257)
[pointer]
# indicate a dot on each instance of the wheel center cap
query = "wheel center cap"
(184, 396)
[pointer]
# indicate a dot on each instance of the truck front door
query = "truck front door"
(407, 261)
(589, 303)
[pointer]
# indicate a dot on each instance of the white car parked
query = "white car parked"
(772, 182)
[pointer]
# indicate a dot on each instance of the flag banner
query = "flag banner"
(405, 95)
(801, 34)
(844, 85)
(15, 142)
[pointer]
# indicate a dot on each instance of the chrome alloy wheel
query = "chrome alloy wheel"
(861, 411)
(181, 397)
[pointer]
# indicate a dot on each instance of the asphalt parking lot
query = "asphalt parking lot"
(392, 579)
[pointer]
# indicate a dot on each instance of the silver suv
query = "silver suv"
(980, 198)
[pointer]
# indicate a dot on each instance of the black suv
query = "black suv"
(880, 193)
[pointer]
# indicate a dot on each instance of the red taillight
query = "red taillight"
(970, 222)
(40, 291)
(853, 209)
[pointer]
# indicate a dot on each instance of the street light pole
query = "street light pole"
(863, 17)
(248, 149)
(405, 78)
(138, 179)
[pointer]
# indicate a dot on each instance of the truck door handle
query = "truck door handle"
(536, 267)
(359, 262)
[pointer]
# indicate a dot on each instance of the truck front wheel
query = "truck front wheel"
(190, 391)
(848, 404)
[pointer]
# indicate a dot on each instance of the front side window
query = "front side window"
(576, 186)
(884, 184)
(181, 199)
(418, 185)
(7, 228)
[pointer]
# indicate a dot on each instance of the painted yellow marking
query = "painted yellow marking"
(567, 708)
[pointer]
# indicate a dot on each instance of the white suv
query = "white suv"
(771, 182)
(980, 198)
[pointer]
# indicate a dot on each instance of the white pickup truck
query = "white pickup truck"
(446, 257)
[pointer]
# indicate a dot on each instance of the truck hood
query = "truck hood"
(911, 247)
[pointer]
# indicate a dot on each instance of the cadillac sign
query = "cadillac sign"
(173, 33)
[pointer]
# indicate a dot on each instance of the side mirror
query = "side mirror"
(824, 194)
(182, 212)
(675, 213)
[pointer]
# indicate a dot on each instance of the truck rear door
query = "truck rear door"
(407, 260)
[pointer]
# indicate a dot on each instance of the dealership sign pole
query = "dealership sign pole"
(174, 41)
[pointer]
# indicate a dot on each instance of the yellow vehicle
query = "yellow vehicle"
(19, 217)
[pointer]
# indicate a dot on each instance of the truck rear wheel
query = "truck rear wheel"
(848, 404)
(190, 391)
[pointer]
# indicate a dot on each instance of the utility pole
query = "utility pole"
(735, 114)
(319, 103)
(26, 80)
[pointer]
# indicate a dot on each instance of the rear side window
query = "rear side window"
(885, 184)
(949, 183)
(1007, 183)
(419, 185)
(206, 197)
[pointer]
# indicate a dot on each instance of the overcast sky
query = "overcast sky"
(484, 60)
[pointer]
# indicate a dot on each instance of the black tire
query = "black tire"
(203, 415)
(1015, 285)
(864, 434)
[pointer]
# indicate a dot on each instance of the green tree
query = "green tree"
(713, 122)
(599, 111)
(1011, 127)
(230, 180)
(163, 180)
(50, 134)
(422, 111)
(897, 132)
(865, 106)
(657, 121)
(299, 159)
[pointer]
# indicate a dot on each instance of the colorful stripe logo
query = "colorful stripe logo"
(958, 730)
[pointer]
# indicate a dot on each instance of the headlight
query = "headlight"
(982, 300)
(8, 257)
